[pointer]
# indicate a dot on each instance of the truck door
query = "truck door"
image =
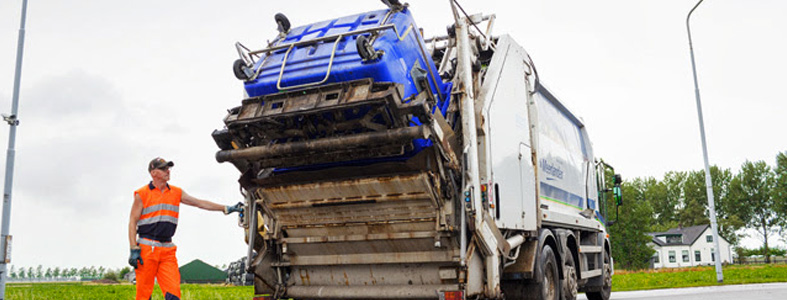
(512, 171)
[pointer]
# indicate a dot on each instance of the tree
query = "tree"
(779, 191)
(110, 275)
(628, 236)
(39, 271)
(56, 272)
(694, 210)
(666, 199)
(22, 273)
(48, 273)
(728, 211)
(124, 271)
(30, 273)
(753, 186)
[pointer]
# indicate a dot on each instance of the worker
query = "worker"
(154, 217)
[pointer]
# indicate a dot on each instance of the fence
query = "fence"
(759, 260)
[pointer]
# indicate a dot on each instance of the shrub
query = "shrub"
(111, 275)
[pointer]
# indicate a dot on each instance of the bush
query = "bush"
(743, 252)
(124, 271)
(111, 275)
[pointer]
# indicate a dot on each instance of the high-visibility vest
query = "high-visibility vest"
(160, 209)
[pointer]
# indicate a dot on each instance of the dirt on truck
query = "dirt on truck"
(377, 164)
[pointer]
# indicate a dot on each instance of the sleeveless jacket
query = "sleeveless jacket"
(159, 213)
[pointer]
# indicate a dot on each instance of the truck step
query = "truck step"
(591, 273)
(590, 249)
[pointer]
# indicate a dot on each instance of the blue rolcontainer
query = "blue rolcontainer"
(306, 88)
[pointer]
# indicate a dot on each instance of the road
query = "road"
(766, 291)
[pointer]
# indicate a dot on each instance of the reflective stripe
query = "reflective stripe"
(157, 219)
(155, 243)
(158, 207)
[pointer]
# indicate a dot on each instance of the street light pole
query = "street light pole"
(5, 239)
(708, 180)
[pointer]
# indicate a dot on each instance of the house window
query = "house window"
(656, 257)
(685, 255)
(675, 239)
(672, 256)
(712, 255)
(709, 238)
(697, 256)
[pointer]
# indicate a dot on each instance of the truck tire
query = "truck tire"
(264, 275)
(549, 286)
(606, 290)
(570, 285)
(513, 289)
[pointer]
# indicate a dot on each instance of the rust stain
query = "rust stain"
(346, 279)
(304, 277)
(371, 274)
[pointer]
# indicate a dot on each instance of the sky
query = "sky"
(109, 85)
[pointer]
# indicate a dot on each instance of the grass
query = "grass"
(696, 276)
(90, 291)
(622, 281)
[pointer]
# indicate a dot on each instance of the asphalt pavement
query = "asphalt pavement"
(765, 291)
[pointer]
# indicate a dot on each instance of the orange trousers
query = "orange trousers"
(158, 263)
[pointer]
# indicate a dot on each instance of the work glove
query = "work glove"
(235, 208)
(136, 254)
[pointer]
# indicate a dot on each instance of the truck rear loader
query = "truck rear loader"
(379, 165)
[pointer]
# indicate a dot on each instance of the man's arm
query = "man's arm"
(203, 204)
(136, 212)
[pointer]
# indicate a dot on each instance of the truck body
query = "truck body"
(379, 165)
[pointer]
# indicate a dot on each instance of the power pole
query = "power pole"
(13, 121)
(708, 180)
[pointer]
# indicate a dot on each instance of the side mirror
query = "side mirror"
(617, 194)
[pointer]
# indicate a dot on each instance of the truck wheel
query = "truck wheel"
(570, 282)
(606, 290)
(264, 275)
(513, 289)
(549, 287)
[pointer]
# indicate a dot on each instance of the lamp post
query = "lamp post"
(708, 180)
(5, 239)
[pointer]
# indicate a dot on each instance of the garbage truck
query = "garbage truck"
(377, 164)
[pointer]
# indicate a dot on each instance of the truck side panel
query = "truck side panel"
(563, 161)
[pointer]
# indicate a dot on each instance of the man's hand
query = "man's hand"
(136, 254)
(235, 208)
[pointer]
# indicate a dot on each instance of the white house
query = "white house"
(687, 246)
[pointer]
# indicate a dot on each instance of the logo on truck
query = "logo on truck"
(551, 169)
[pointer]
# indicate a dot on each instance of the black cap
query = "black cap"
(158, 163)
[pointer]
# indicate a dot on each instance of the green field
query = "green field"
(621, 281)
(77, 290)
(697, 276)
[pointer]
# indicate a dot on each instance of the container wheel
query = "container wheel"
(282, 22)
(365, 50)
(237, 68)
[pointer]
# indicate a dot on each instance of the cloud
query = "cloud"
(74, 145)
